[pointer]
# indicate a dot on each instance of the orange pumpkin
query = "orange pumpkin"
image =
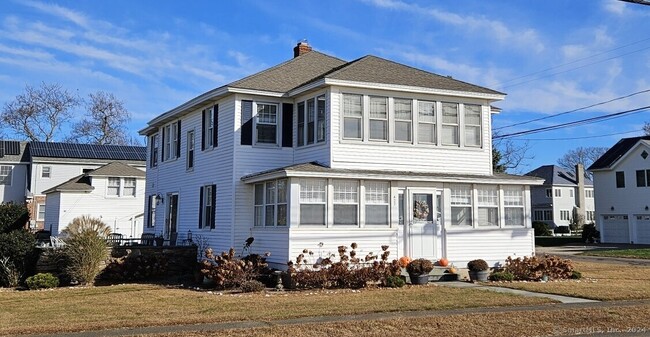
(443, 262)
(453, 269)
(404, 261)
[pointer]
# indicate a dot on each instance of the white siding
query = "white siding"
(319, 152)
(52, 212)
(493, 246)
(408, 157)
(15, 192)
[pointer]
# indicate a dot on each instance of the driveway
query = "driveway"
(572, 251)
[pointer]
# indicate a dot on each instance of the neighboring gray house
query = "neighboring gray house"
(558, 199)
(318, 152)
(622, 189)
(14, 170)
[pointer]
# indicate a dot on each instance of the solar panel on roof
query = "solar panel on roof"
(88, 151)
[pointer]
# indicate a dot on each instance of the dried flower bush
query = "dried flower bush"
(349, 271)
(228, 271)
(135, 268)
(419, 267)
(477, 265)
(533, 268)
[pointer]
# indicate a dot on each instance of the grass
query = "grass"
(93, 308)
(510, 324)
(643, 253)
(601, 281)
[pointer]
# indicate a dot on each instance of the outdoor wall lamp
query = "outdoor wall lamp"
(159, 199)
(189, 235)
(611, 208)
(646, 207)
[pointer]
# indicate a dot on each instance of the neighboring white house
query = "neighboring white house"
(113, 192)
(317, 152)
(622, 191)
(52, 164)
(14, 170)
(558, 199)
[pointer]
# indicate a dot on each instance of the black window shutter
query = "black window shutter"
(213, 216)
(203, 130)
(178, 140)
(201, 207)
(247, 122)
(287, 125)
(162, 150)
(215, 125)
(148, 208)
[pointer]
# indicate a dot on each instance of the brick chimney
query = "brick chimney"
(301, 48)
(580, 196)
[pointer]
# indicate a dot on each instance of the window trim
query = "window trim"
(409, 121)
(7, 179)
(190, 150)
(276, 203)
(360, 118)
(620, 179)
(207, 140)
(469, 205)
(480, 204)
(509, 202)
(324, 203)
(434, 124)
(154, 148)
(151, 220)
(384, 120)
(109, 186)
(456, 125)
(39, 207)
(49, 172)
(208, 211)
(478, 126)
(171, 141)
(356, 203)
(367, 184)
(557, 192)
(121, 187)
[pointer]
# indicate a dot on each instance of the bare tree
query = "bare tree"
(508, 156)
(39, 113)
(646, 128)
(581, 155)
(106, 123)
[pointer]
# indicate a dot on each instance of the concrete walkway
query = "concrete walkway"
(559, 298)
(572, 252)
(206, 327)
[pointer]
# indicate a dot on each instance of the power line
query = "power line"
(574, 110)
(575, 123)
(586, 137)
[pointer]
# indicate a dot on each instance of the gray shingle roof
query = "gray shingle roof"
(616, 152)
(80, 183)
(374, 69)
(555, 175)
(11, 156)
(315, 167)
(290, 74)
(117, 169)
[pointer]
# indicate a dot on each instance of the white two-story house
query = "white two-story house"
(563, 195)
(14, 170)
(622, 191)
(318, 152)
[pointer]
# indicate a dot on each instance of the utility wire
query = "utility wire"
(586, 137)
(574, 123)
(574, 110)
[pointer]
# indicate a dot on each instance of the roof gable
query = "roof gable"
(80, 183)
(117, 169)
(616, 152)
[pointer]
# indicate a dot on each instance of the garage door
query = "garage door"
(643, 229)
(615, 229)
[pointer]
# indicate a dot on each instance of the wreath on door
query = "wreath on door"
(421, 210)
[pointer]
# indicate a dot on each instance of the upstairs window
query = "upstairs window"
(427, 122)
(190, 150)
(46, 172)
(403, 119)
(113, 186)
(558, 193)
(461, 205)
(450, 124)
(301, 123)
(154, 145)
(589, 193)
(320, 118)
(352, 116)
(266, 123)
(311, 121)
(129, 187)
(549, 193)
(208, 128)
(117, 187)
(620, 179)
(642, 178)
(472, 125)
(171, 141)
(378, 118)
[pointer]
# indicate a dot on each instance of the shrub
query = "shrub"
(576, 275)
(86, 248)
(477, 265)
(12, 217)
(501, 276)
(135, 268)
(228, 271)
(533, 268)
(541, 229)
(419, 267)
(395, 281)
(18, 255)
(590, 233)
(251, 286)
(42, 281)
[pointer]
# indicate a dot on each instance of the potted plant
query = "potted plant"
(419, 270)
(159, 240)
(478, 270)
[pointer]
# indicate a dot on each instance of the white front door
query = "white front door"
(421, 228)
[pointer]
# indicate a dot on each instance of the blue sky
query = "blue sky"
(548, 56)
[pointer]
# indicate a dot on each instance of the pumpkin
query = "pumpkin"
(404, 261)
(443, 262)
(453, 270)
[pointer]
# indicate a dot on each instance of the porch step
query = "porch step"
(438, 274)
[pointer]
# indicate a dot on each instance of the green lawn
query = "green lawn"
(626, 253)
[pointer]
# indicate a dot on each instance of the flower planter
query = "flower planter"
(480, 275)
(419, 279)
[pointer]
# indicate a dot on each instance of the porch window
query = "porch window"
(377, 203)
(267, 122)
(378, 118)
(271, 203)
(403, 119)
(352, 116)
(346, 202)
(461, 205)
(426, 122)
(450, 124)
(488, 206)
(313, 199)
(472, 125)
(513, 202)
